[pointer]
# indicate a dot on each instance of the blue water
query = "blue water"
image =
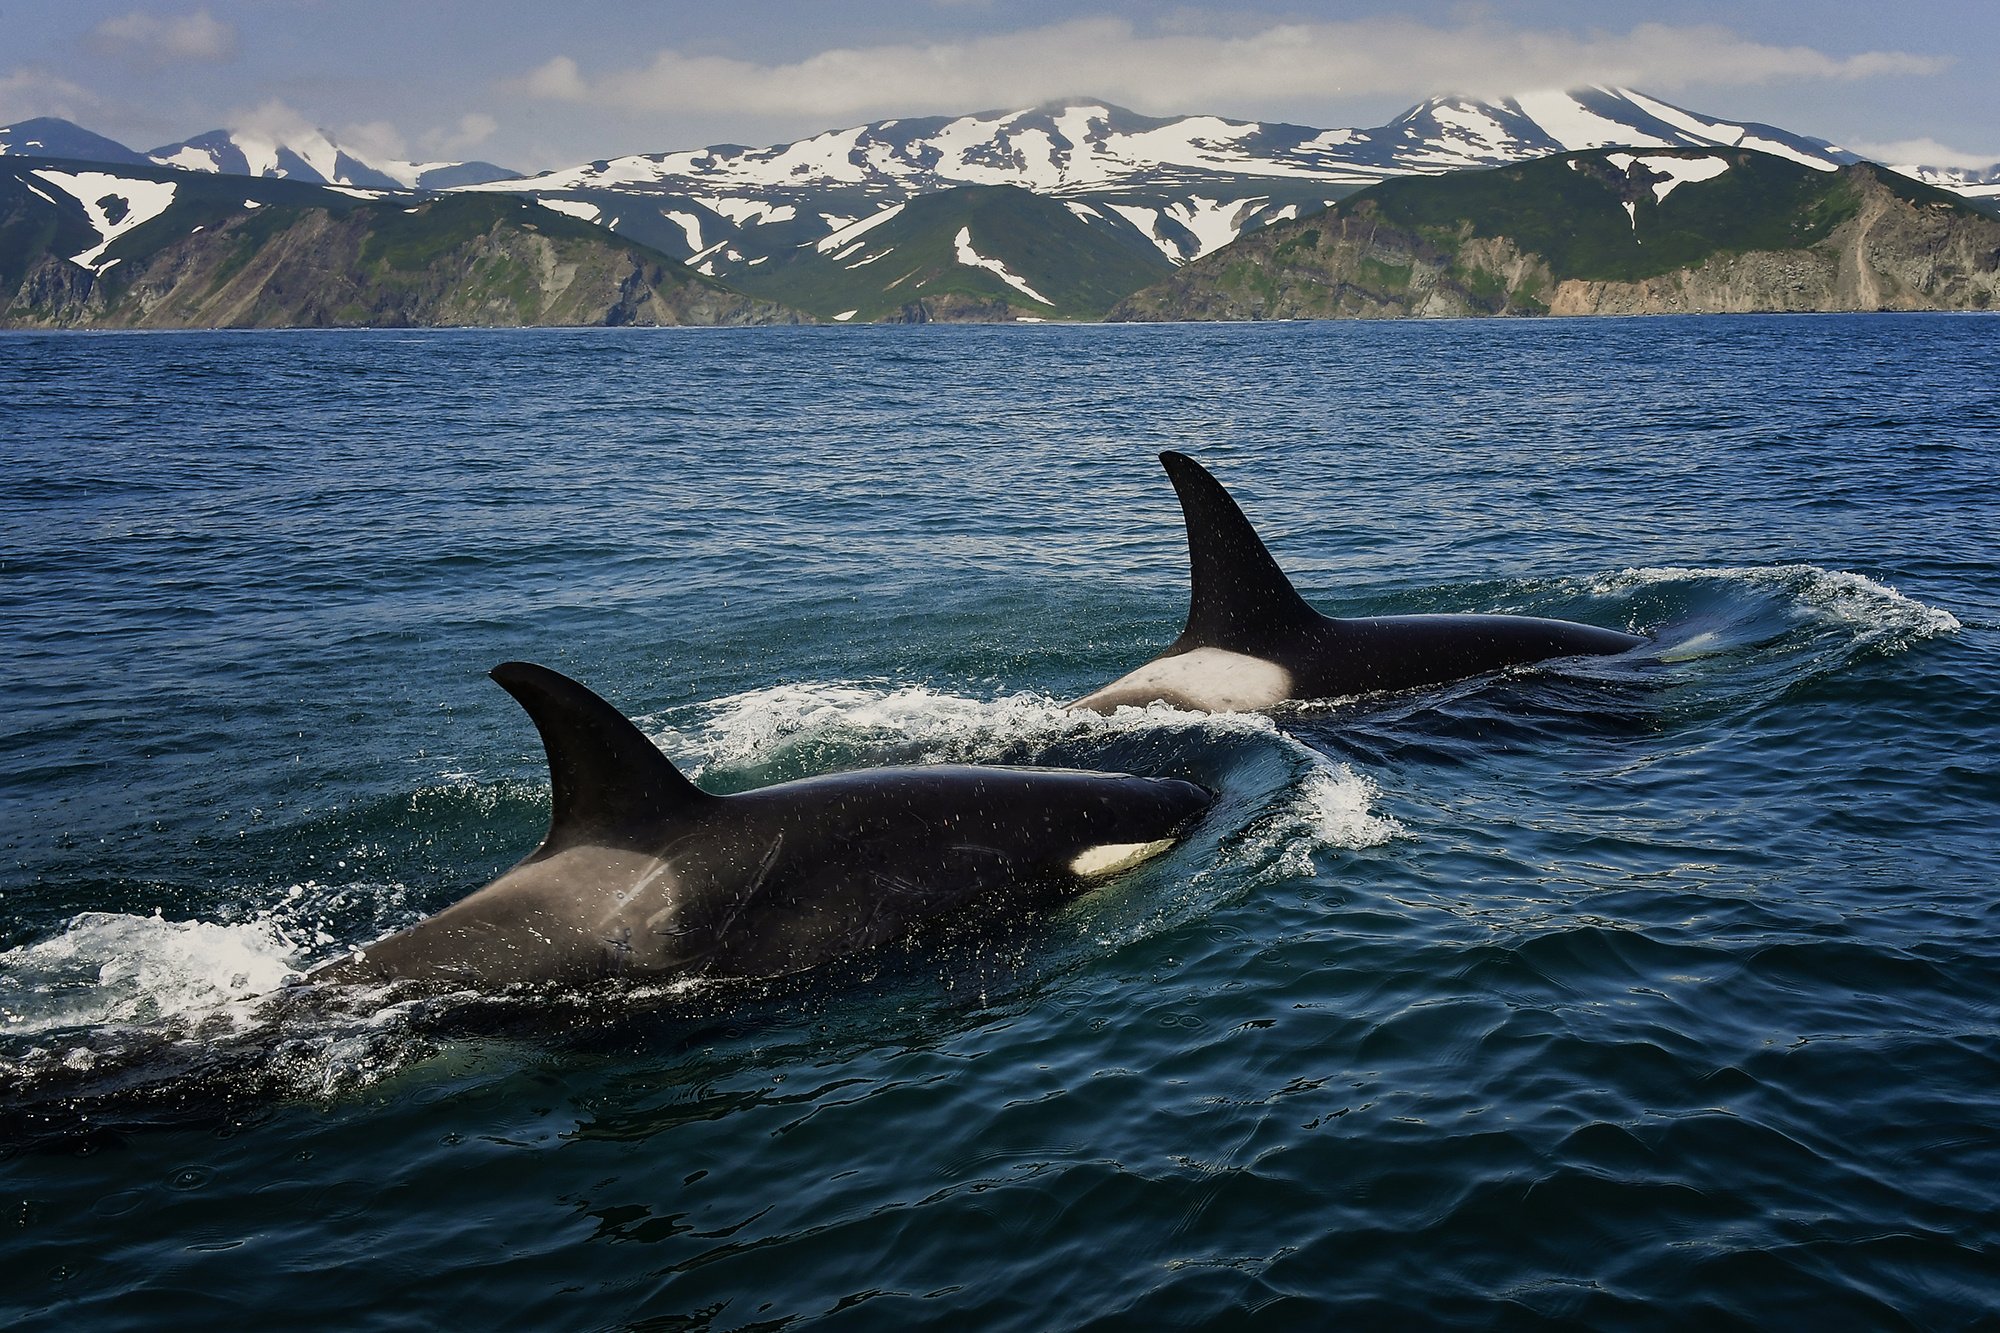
(1647, 993)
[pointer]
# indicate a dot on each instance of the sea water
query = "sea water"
(1654, 992)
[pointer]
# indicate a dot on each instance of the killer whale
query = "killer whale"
(643, 874)
(1251, 641)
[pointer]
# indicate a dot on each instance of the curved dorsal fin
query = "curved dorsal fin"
(1240, 599)
(606, 777)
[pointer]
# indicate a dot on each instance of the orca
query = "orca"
(644, 875)
(1252, 642)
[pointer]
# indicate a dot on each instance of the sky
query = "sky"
(536, 85)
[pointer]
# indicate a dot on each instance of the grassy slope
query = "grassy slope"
(408, 235)
(1082, 269)
(1568, 210)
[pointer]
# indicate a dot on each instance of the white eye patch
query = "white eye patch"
(1112, 857)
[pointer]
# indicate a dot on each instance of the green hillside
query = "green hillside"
(1607, 231)
(913, 266)
(1571, 210)
(233, 250)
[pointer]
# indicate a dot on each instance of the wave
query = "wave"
(113, 967)
(1877, 614)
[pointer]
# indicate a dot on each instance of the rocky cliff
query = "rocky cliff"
(1605, 232)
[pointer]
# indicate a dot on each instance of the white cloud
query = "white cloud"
(273, 121)
(141, 38)
(1170, 72)
(474, 128)
(29, 92)
(1923, 152)
(376, 141)
(559, 80)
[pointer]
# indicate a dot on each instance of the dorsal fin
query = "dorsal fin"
(1241, 600)
(606, 777)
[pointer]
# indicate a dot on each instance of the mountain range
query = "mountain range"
(1190, 184)
(311, 156)
(1629, 232)
(101, 245)
(1056, 212)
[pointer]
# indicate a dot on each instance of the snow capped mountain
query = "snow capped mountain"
(1091, 147)
(1185, 186)
(1453, 133)
(313, 156)
(1970, 182)
(47, 136)
(1191, 184)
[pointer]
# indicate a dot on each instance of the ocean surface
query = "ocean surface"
(1651, 992)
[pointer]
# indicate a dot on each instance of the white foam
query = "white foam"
(1826, 594)
(111, 967)
(1330, 810)
(760, 725)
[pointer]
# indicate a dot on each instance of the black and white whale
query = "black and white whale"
(643, 874)
(1251, 641)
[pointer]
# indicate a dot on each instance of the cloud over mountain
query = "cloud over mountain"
(1165, 71)
(143, 38)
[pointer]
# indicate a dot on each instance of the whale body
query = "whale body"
(643, 874)
(1251, 641)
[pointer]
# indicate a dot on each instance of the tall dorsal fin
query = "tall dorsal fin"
(1241, 600)
(606, 777)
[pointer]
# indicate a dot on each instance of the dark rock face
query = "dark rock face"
(66, 292)
(953, 308)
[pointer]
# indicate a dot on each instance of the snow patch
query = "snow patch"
(971, 258)
(189, 158)
(690, 225)
(1677, 170)
(827, 244)
(143, 201)
(1214, 222)
(575, 208)
(1576, 127)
